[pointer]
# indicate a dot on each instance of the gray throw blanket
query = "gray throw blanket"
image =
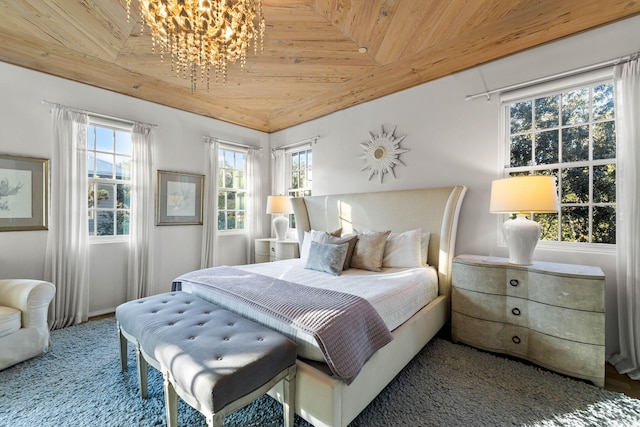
(347, 328)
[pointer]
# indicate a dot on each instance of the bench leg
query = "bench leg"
(123, 350)
(289, 407)
(170, 401)
(142, 373)
(215, 420)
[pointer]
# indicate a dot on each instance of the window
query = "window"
(109, 166)
(571, 136)
(231, 189)
(300, 176)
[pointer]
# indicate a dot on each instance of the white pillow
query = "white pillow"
(424, 247)
(403, 249)
(310, 236)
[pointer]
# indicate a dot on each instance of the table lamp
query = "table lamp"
(523, 195)
(280, 205)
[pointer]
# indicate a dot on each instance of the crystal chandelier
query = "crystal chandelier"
(203, 34)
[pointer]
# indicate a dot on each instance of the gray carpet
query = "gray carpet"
(79, 383)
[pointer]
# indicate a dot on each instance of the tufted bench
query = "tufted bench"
(215, 360)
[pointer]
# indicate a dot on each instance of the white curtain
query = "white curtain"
(66, 262)
(279, 171)
(142, 213)
(627, 98)
(209, 254)
(255, 196)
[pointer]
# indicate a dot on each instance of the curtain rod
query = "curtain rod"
(556, 76)
(313, 140)
(99, 115)
(235, 144)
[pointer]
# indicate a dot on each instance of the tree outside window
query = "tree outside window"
(231, 189)
(571, 136)
(109, 180)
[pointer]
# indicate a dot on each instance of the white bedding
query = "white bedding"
(395, 293)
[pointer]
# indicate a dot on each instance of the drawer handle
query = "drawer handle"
(516, 339)
(515, 311)
(514, 282)
(273, 249)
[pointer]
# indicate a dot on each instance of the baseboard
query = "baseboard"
(102, 312)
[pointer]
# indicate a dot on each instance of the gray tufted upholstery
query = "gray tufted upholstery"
(209, 353)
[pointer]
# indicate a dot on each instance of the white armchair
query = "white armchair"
(24, 332)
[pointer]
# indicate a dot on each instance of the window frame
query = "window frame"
(556, 87)
(290, 190)
(114, 125)
(244, 152)
(295, 192)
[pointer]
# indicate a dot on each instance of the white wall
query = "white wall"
(454, 141)
(25, 130)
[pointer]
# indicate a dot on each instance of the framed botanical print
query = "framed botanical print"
(24, 193)
(179, 199)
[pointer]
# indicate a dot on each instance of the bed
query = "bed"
(322, 397)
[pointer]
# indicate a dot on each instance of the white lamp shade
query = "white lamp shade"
(526, 193)
(279, 205)
(522, 194)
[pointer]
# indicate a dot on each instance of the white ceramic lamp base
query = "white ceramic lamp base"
(522, 236)
(281, 225)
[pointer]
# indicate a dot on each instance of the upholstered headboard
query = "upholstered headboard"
(434, 210)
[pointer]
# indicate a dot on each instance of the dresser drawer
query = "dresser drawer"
(571, 292)
(575, 325)
(568, 357)
(286, 250)
(479, 278)
(491, 279)
(478, 333)
(489, 335)
(497, 308)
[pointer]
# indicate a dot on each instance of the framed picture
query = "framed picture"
(179, 198)
(24, 193)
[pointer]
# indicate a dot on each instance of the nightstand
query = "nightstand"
(270, 249)
(548, 313)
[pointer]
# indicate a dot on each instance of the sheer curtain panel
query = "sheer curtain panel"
(279, 171)
(66, 262)
(255, 196)
(627, 98)
(142, 213)
(209, 256)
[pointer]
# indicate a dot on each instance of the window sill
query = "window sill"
(108, 239)
(593, 248)
(585, 248)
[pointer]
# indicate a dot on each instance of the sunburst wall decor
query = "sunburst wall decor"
(382, 153)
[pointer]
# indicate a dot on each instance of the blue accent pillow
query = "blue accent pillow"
(327, 258)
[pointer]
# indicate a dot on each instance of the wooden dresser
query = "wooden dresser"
(270, 249)
(548, 313)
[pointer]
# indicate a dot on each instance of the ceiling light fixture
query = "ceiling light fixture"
(203, 34)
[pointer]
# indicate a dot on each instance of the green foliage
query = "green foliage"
(109, 199)
(572, 137)
(231, 195)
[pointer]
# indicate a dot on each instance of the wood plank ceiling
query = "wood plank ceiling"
(311, 65)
